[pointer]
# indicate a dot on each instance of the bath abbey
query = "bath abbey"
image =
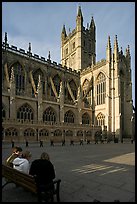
(77, 98)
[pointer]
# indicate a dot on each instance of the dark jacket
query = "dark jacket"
(44, 171)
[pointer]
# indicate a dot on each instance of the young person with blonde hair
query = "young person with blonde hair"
(43, 169)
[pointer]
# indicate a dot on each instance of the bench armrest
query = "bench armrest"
(50, 189)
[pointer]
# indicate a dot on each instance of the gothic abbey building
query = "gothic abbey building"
(75, 99)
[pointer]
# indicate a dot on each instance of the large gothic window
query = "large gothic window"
(56, 81)
(19, 78)
(69, 117)
(85, 119)
(49, 115)
(101, 89)
(36, 80)
(100, 119)
(73, 88)
(25, 113)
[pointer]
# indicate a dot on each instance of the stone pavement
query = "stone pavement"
(104, 172)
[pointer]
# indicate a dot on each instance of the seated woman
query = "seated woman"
(43, 169)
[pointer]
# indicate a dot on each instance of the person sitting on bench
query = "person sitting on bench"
(17, 152)
(43, 169)
(22, 163)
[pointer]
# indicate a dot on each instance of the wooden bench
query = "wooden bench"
(28, 182)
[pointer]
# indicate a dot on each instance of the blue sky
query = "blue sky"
(40, 23)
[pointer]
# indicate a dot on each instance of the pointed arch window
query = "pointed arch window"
(58, 133)
(80, 133)
(85, 119)
(19, 75)
(49, 115)
(25, 113)
(69, 117)
(101, 89)
(69, 133)
(11, 132)
(56, 81)
(44, 132)
(29, 132)
(100, 119)
(74, 90)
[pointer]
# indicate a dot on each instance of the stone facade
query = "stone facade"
(45, 100)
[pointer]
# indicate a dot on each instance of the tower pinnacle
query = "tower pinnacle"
(108, 50)
(79, 15)
(116, 49)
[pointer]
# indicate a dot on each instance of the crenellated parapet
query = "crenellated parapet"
(36, 57)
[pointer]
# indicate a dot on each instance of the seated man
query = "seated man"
(17, 152)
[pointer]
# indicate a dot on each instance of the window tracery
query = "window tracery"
(49, 115)
(100, 119)
(69, 117)
(101, 89)
(25, 113)
(19, 75)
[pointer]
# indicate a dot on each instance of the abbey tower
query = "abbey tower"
(78, 48)
(110, 92)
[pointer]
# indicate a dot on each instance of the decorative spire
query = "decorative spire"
(109, 43)
(128, 51)
(29, 47)
(79, 16)
(108, 50)
(116, 43)
(92, 24)
(116, 50)
(6, 39)
(121, 52)
(79, 12)
(49, 56)
(64, 31)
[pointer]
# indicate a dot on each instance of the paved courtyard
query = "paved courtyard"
(105, 172)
